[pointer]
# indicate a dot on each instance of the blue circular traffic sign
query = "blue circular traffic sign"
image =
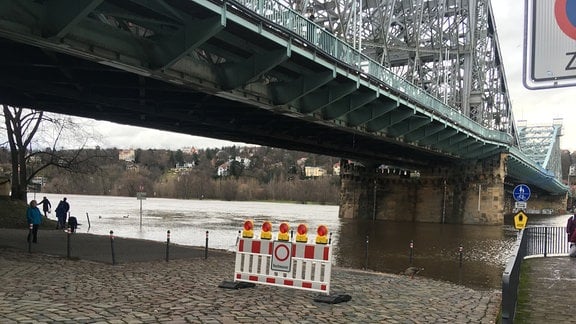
(521, 192)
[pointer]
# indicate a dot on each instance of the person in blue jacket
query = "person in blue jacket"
(34, 217)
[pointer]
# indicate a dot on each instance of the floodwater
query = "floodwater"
(470, 255)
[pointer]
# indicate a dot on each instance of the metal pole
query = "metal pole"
(411, 251)
(545, 241)
(206, 249)
(68, 242)
(479, 192)
(30, 239)
(112, 246)
(461, 250)
(366, 255)
(167, 245)
(87, 217)
(444, 203)
(374, 204)
(140, 212)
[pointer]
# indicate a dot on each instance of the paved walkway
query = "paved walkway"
(45, 286)
(547, 293)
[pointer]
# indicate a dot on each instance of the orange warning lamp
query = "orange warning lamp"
(302, 233)
(248, 231)
(283, 235)
(266, 233)
(322, 237)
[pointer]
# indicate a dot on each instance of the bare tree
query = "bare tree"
(33, 137)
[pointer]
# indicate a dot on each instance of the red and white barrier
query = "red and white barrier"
(284, 264)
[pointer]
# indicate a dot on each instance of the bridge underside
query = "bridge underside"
(468, 192)
(222, 70)
(46, 80)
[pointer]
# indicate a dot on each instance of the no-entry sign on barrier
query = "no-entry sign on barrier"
(281, 256)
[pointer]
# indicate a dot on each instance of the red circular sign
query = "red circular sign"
(282, 252)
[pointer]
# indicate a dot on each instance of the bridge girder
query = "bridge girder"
(447, 47)
(220, 70)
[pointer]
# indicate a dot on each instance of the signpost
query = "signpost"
(141, 196)
(550, 44)
(520, 220)
(521, 194)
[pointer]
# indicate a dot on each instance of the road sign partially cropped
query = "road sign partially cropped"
(550, 44)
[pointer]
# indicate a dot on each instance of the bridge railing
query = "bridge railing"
(541, 241)
(321, 39)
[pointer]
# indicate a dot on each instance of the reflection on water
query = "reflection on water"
(436, 248)
(485, 249)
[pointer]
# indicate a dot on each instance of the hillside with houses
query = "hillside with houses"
(227, 173)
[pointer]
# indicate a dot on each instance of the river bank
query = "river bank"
(42, 286)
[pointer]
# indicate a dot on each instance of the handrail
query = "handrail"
(536, 241)
(330, 44)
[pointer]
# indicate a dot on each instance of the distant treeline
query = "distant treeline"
(246, 173)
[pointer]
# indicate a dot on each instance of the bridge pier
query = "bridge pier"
(470, 192)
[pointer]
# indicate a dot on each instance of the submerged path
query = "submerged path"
(45, 286)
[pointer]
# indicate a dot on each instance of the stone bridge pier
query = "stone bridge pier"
(469, 192)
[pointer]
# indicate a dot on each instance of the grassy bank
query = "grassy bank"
(13, 215)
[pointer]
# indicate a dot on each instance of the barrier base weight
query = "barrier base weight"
(235, 285)
(332, 299)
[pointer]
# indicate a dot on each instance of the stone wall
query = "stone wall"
(470, 192)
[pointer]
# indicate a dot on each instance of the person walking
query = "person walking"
(61, 213)
(34, 218)
(46, 206)
(570, 227)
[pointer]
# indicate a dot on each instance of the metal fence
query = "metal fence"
(531, 242)
(320, 39)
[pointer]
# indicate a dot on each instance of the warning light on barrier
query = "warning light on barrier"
(266, 233)
(248, 231)
(322, 235)
(302, 233)
(283, 235)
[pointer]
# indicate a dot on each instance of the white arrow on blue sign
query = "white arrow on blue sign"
(521, 192)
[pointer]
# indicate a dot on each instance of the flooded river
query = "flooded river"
(470, 255)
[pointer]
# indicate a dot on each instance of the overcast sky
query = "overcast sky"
(534, 106)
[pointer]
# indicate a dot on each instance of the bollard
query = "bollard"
(366, 256)
(206, 249)
(30, 239)
(411, 251)
(68, 243)
(167, 245)
(112, 246)
(461, 250)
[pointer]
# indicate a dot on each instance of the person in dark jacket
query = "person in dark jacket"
(34, 218)
(571, 226)
(61, 213)
(46, 206)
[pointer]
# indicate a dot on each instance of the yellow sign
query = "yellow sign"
(520, 220)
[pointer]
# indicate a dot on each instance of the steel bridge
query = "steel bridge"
(399, 82)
